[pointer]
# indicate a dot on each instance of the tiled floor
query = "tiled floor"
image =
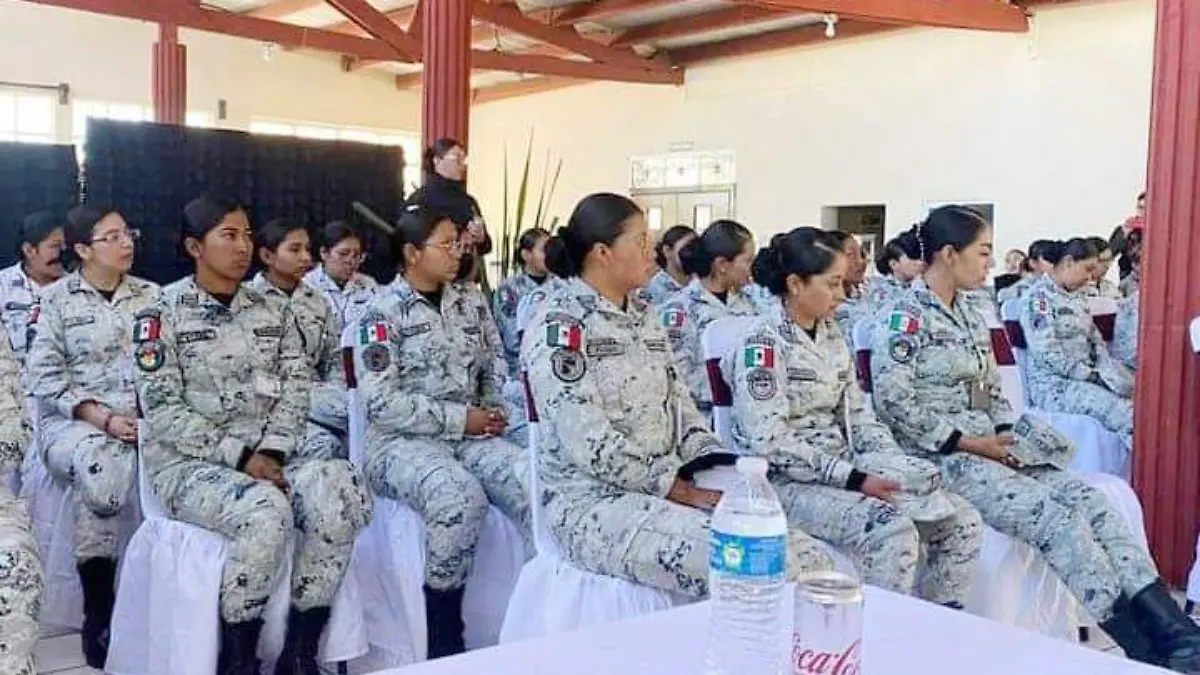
(61, 656)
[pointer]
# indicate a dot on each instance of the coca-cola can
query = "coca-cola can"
(827, 625)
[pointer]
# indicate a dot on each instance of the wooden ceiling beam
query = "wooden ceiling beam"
(186, 15)
(507, 90)
(374, 22)
(720, 19)
(775, 40)
(604, 9)
(511, 19)
(479, 33)
(402, 17)
(542, 65)
(986, 15)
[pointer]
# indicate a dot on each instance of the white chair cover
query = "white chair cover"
(1102, 305)
(390, 563)
(1193, 584)
(552, 596)
(720, 338)
(1016, 586)
(1098, 449)
(171, 585)
(53, 518)
(1195, 334)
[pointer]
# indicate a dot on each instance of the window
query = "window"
(410, 142)
(28, 117)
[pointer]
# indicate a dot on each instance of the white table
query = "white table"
(902, 636)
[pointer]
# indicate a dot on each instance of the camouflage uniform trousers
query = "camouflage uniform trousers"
(329, 505)
(20, 587)
(651, 541)
(885, 545)
(101, 471)
(1113, 411)
(1070, 524)
(450, 485)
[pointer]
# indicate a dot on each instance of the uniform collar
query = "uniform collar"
(591, 300)
(410, 296)
(76, 283)
(244, 297)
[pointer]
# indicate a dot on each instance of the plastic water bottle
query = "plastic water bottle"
(747, 556)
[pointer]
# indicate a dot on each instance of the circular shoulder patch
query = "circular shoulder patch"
(1039, 321)
(376, 358)
(569, 365)
(902, 348)
(761, 383)
(150, 356)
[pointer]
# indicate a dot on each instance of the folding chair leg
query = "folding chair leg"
(1085, 634)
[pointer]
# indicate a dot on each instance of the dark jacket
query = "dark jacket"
(451, 198)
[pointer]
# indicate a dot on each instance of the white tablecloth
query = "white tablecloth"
(902, 636)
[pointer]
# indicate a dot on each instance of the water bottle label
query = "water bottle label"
(747, 556)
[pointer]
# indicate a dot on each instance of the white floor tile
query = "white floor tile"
(59, 654)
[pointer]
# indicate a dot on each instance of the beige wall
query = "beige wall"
(107, 59)
(1050, 126)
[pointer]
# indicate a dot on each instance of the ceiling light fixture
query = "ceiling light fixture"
(831, 25)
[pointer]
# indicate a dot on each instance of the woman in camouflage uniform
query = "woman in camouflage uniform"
(854, 306)
(20, 570)
(1069, 369)
(719, 262)
(797, 403)
(426, 368)
(621, 438)
(531, 251)
(670, 277)
(898, 265)
(224, 383)
(937, 386)
(21, 285)
(80, 371)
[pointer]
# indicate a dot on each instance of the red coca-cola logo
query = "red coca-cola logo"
(813, 662)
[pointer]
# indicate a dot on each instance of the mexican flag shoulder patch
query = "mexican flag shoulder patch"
(564, 336)
(903, 322)
(372, 333)
(759, 356)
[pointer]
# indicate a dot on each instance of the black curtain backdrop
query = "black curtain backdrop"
(148, 172)
(32, 178)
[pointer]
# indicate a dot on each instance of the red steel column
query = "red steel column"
(1167, 400)
(169, 75)
(446, 83)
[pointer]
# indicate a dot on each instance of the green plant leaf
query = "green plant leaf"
(553, 185)
(523, 195)
(505, 224)
(537, 216)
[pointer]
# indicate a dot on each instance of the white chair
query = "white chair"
(1104, 315)
(1099, 450)
(390, 561)
(553, 596)
(52, 513)
(167, 615)
(1006, 363)
(861, 336)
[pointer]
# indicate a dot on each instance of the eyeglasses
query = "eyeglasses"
(119, 237)
(455, 157)
(456, 246)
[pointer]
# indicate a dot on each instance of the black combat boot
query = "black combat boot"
(1129, 635)
(98, 577)
(1175, 637)
(239, 648)
(304, 630)
(443, 617)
